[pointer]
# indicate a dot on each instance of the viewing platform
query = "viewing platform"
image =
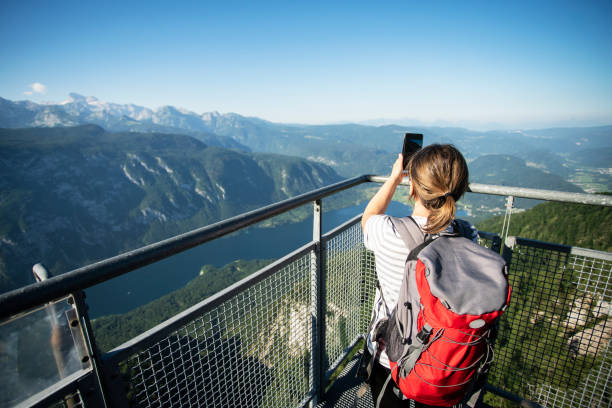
(286, 336)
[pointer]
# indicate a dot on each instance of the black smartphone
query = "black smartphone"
(412, 143)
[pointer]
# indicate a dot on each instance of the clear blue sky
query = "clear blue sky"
(508, 62)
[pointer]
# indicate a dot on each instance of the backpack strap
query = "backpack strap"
(414, 253)
(414, 238)
(382, 390)
(411, 234)
(409, 231)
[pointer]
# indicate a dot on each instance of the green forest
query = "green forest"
(585, 226)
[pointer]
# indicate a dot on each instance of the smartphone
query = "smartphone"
(412, 143)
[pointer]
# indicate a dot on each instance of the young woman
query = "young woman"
(438, 178)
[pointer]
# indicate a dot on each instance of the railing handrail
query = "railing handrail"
(523, 192)
(512, 241)
(27, 297)
(30, 296)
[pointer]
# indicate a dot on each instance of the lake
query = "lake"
(143, 285)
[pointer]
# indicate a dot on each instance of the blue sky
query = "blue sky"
(486, 63)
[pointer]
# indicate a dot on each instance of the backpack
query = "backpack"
(437, 336)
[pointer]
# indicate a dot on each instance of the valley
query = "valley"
(86, 179)
(71, 196)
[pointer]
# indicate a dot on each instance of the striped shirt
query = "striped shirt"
(390, 253)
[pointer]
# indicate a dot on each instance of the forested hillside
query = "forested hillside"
(587, 226)
(73, 195)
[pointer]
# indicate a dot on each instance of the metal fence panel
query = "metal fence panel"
(553, 341)
(368, 290)
(348, 283)
(252, 350)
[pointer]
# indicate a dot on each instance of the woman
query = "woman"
(438, 178)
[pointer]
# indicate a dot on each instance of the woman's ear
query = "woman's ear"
(411, 190)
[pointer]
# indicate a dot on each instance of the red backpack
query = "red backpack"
(437, 336)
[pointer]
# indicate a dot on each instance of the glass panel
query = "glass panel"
(38, 349)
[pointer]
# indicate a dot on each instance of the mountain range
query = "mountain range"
(86, 179)
(349, 148)
(71, 195)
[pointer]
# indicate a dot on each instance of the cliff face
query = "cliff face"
(70, 196)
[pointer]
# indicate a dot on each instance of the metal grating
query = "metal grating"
(343, 394)
(252, 350)
(345, 285)
(553, 341)
(73, 400)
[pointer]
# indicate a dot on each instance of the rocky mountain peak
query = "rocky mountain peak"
(75, 97)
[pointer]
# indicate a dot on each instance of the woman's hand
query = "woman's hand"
(397, 172)
(379, 203)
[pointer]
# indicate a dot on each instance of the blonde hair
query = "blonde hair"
(439, 176)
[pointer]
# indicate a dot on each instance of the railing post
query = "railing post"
(92, 349)
(42, 274)
(317, 299)
(507, 215)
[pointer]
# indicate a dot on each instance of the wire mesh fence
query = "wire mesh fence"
(368, 289)
(255, 348)
(350, 285)
(252, 350)
(553, 341)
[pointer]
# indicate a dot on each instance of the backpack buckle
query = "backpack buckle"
(424, 334)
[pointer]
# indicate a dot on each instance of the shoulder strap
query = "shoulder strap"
(463, 228)
(409, 231)
(414, 253)
(412, 235)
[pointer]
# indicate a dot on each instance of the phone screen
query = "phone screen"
(412, 143)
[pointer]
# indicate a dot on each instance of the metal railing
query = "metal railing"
(553, 345)
(272, 339)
